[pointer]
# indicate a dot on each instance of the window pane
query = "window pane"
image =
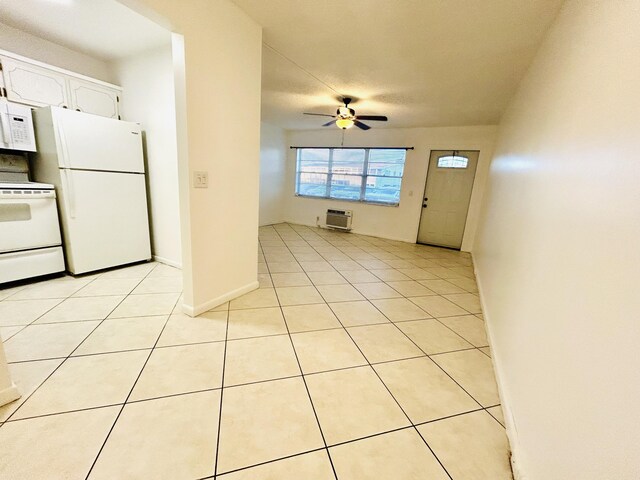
(345, 186)
(383, 190)
(386, 162)
(453, 161)
(313, 184)
(349, 161)
(313, 160)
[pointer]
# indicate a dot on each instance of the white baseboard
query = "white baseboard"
(358, 232)
(268, 224)
(516, 467)
(512, 434)
(9, 394)
(194, 311)
(166, 261)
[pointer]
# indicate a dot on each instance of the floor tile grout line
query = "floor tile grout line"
(397, 402)
(172, 345)
(20, 328)
(53, 278)
(315, 413)
(195, 392)
(403, 333)
(70, 354)
(493, 416)
(429, 356)
(424, 440)
(95, 460)
(190, 392)
(422, 350)
(63, 299)
(111, 318)
(306, 452)
(96, 277)
(386, 387)
(289, 333)
(222, 387)
(407, 259)
(64, 412)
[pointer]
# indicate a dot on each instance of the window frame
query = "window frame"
(363, 177)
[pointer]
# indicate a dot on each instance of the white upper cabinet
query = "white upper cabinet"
(37, 84)
(33, 85)
(89, 97)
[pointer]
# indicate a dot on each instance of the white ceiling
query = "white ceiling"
(420, 62)
(104, 29)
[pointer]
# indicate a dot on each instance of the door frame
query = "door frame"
(424, 191)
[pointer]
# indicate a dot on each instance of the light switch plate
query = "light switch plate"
(200, 179)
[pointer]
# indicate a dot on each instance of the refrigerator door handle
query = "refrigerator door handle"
(4, 124)
(70, 194)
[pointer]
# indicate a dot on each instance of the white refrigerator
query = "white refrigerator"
(97, 167)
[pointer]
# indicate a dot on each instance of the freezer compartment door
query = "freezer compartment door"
(91, 142)
(104, 219)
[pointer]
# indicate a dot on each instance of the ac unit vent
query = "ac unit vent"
(340, 219)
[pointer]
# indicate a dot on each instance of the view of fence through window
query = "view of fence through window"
(371, 175)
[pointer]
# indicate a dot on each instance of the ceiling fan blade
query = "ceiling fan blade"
(376, 118)
(361, 125)
(329, 123)
(320, 114)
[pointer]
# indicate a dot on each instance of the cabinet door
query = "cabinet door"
(33, 85)
(89, 97)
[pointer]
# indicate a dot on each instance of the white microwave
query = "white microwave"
(16, 127)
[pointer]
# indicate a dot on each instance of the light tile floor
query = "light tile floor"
(358, 358)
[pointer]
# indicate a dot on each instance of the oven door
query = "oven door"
(28, 220)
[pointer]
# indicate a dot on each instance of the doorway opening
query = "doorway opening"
(447, 193)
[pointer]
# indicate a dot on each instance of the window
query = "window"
(372, 175)
(453, 161)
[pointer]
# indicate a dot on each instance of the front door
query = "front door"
(446, 197)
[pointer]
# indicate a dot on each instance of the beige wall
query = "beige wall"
(273, 171)
(148, 98)
(22, 43)
(397, 223)
(218, 110)
(557, 254)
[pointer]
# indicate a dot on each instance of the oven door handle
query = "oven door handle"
(69, 193)
(4, 122)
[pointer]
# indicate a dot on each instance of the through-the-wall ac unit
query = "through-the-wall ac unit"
(340, 219)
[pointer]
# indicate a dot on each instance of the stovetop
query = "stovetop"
(25, 186)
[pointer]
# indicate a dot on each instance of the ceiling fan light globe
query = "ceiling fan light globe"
(344, 123)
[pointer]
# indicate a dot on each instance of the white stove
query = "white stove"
(30, 241)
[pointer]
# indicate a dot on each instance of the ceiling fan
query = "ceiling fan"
(346, 117)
